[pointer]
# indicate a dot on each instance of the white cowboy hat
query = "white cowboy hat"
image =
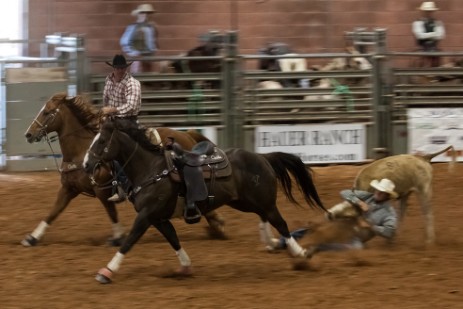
(144, 8)
(428, 6)
(385, 185)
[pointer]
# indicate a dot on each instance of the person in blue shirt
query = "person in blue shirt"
(374, 212)
(140, 39)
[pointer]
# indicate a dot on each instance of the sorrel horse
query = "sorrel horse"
(250, 187)
(76, 121)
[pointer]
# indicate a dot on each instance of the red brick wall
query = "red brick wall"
(306, 25)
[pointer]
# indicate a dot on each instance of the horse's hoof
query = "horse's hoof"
(300, 264)
(270, 249)
(102, 279)
(29, 241)
(104, 276)
(184, 271)
(216, 233)
(309, 253)
(116, 242)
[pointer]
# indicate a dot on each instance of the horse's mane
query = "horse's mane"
(138, 134)
(85, 112)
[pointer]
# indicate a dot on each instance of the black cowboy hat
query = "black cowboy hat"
(119, 62)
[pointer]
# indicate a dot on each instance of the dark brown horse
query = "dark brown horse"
(76, 121)
(208, 49)
(250, 187)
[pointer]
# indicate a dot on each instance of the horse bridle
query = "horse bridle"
(101, 158)
(43, 126)
(48, 120)
(105, 149)
(137, 188)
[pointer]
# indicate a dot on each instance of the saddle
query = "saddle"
(204, 161)
(213, 161)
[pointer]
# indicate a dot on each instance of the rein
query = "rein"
(43, 126)
(53, 152)
(105, 185)
(100, 158)
(151, 180)
(136, 188)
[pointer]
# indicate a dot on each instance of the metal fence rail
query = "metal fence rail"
(307, 105)
(254, 106)
(380, 100)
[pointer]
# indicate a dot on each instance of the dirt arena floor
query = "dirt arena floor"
(232, 273)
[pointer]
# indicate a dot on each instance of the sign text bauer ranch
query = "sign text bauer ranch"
(315, 143)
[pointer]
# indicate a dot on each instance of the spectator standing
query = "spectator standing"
(140, 39)
(429, 31)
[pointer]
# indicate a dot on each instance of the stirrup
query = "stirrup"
(192, 215)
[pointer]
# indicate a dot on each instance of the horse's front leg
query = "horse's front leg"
(167, 230)
(267, 237)
(103, 175)
(277, 221)
(63, 199)
(140, 225)
(118, 230)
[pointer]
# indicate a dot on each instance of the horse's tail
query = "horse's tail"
(282, 163)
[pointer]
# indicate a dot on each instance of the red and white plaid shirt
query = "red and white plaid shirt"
(124, 95)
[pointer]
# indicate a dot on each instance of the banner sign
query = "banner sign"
(320, 143)
(433, 129)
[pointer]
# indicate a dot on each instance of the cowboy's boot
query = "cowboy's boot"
(119, 195)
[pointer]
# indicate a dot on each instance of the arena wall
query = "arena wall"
(308, 26)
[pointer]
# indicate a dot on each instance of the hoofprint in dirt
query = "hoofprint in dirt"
(233, 273)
